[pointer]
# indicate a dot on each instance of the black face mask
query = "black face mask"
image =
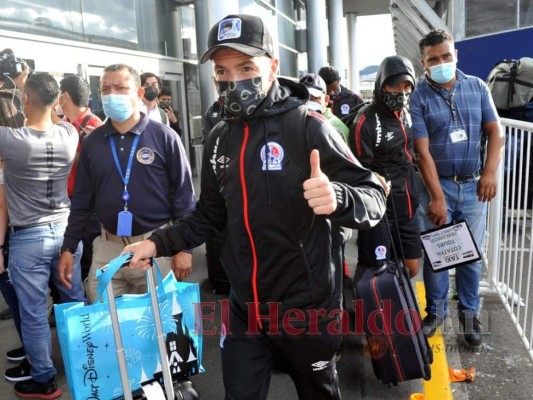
(396, 100)
(150, 93)
(241, 98)
(334, 95)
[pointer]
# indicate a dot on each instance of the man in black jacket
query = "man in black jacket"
(262, 179)
(341, 99)
(381, 138)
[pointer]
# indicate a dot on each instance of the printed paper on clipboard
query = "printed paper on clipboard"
(450, 246)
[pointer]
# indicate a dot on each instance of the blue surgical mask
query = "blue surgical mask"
(442, 73)
(117, 107)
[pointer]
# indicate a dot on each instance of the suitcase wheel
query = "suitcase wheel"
(185, 390)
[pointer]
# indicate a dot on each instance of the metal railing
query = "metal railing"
(509, 244)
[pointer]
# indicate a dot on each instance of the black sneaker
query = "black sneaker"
(21, 372)
(430, 324)
(6, 314)
(471, 329)
(16, 354)
(38, 390)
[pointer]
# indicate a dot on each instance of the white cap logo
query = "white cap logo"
(229, 29)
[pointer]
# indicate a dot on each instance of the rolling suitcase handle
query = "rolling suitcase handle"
(122, 367)
(402, 269)
(167, 378)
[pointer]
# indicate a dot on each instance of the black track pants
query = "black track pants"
(247, 360)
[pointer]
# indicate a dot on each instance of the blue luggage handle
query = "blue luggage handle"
(106, 273)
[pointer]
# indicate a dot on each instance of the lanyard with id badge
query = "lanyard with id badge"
(457, 135)
(125, 218)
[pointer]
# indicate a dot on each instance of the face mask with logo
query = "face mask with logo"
(396, 100)
(442, 73)
(241, 98)
(117, 107)
(150, 93)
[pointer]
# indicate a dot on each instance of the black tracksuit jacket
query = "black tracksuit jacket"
(382, 140)
(344, 103)
(277, 250)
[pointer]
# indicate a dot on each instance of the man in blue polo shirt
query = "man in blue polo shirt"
(135, 175)
(451, 111)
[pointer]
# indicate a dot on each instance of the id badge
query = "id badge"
(458, 135)
(125, 221)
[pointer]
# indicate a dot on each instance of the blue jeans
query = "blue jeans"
(10, 297)
(33, 260)
(462, 203)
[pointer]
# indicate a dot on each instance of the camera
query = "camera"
(9, 64)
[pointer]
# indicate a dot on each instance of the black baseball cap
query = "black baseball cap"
(395, 80)
(314, 84)
(241, 32)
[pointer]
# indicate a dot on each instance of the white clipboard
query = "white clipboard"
(450, 246)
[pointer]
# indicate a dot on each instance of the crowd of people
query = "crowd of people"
(289, 169)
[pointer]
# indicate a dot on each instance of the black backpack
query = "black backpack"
(350, 118)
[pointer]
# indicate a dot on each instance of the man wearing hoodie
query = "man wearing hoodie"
(382, 140)
(262, 179)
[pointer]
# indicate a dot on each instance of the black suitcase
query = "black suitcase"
(398, 348)
(218, 280)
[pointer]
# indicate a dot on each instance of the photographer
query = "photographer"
(13, 75)
(11, 83)
(13, 71)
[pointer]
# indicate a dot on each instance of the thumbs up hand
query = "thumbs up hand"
(318, 190)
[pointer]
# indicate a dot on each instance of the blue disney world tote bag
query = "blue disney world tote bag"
(88, 346)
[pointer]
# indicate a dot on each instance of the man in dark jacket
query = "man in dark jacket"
(382, 140)
(134, 175)
(341, 99)
(262, 178)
